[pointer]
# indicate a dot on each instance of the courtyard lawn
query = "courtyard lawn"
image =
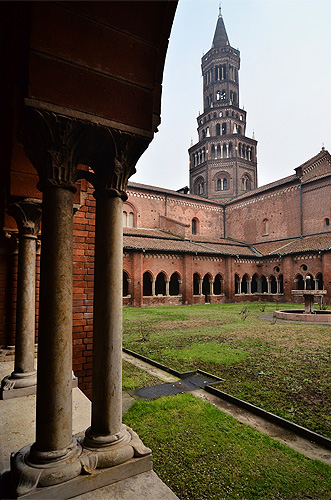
(203, 454)
(282, 367)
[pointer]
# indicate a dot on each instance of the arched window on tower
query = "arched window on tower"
(218, 96)
(222, 184)
(218, 155)
(218, 129)
(212, 152)
(246, 183)
(223, 128)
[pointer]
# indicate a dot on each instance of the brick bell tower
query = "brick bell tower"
(223, 163)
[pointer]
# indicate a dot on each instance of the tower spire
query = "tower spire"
(220, 36)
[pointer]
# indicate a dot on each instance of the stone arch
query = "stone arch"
(299, 282)
(218, 281)
(196, 280)
(160, 283)
(264, 284)
(236, 284)
(319, 280)
(174, 283)
(147, 283)
(255, 279)
(310, 282)
(244, 283)
(125, 283)
(206, 286)
(273, 284)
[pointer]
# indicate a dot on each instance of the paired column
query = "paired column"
(167, 283)
(153, 287)
(27, 214)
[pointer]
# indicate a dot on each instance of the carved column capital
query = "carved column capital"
(27, 214)
(112, 155)
(52, 143)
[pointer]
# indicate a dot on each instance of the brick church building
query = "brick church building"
(225, 239)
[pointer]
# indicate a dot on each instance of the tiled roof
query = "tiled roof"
(153, 239)
(266, 187)
(312, 243)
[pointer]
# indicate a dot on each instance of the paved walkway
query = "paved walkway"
(282, 435)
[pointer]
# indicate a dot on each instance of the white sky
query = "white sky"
(284, 84)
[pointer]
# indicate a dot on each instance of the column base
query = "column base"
(31, 469)
(81, 469)
(108, 451)
(19, 384)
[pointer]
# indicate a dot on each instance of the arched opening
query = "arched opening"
(125, 284)
(174, 284)
(281, 283)
(273, 284)
(326, 222)
(147, 284)
(212, 152)
(223, 128)
(319, 279)
(196, 279)
(160, 284)
(300, 285)
(310, 282)
(236, 284)
(244, 284)
(264, 284)
(206, 287)
(254, 283)
(218, 129)
(218, 284)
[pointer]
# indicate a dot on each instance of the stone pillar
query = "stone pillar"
(316, 283)
(27, 214)
(54, 457)
(107, 441)
(211, 289)
(249, 286)
(259, 285)
(153, 287)
(167, 287)
(200, 287)
(269, 285)
(278, 285)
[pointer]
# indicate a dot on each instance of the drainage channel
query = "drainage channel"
(197, 380)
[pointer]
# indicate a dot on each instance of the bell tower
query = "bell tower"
(223, 163)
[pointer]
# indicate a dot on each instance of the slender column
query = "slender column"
(269, 285)
(249, 286)
(240, 286)
(200, 287)
(153, 287)
(107, 334)
(167, 287)
(316, 284)
(278, 286)
(54, 457)
(211, 289)
(259, 285)
(27, 214)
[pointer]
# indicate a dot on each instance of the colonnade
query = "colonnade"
(56, 146)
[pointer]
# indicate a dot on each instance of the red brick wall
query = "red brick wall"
(316, 206)
(244, 219)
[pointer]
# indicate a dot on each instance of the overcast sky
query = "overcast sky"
(284, 84)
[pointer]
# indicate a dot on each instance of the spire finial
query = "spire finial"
(220, 10)
(323, 148)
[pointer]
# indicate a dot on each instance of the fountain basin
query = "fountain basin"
(301, 315)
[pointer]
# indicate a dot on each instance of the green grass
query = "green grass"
(283, 367)
(202, 453)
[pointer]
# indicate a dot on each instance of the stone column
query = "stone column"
(54, 457)
(200, 287)
(249, 286)
(278, 285)
(153, 287)
(107, 441)
(167, 287)
(27, 214)
(259, 285)
(269, 285)
(211, 289)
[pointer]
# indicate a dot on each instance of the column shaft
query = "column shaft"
(107, 339)
(25, 312)
(54, 374)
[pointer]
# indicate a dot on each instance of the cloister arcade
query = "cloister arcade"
(258, 284)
